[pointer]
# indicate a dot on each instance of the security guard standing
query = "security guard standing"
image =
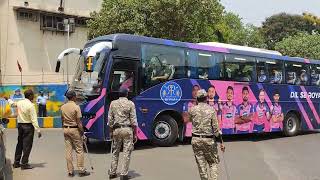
(73, 134)
(205, 131)
(122, 122)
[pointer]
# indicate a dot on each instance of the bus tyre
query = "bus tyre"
(164, 131)
(291, 125)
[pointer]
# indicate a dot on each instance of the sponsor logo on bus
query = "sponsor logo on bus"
(171, 93)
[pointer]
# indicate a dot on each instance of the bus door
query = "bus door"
(124, 74)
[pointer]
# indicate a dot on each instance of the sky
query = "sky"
(256, 11)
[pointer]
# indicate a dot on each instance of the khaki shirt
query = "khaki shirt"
(70, 114)
(122, 112)
(204, 120)
(26, 112)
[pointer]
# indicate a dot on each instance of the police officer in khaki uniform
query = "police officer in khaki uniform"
(205, 132)
(73, 134)
(122, 122)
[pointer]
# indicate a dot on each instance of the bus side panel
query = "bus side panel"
(292, 98)
(94, 113)
(151, 102)
(142, 118)
(307, 99)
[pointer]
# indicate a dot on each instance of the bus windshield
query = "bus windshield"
(90, 83)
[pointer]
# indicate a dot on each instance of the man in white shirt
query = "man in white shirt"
(27, 124)
(42, 104)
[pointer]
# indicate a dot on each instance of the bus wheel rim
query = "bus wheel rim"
(162, 130)
(291, 124)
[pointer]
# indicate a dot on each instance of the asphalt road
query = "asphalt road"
(263, 157)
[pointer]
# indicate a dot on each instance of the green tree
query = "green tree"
(187, 20)
(254, 37)
(231, 30)
(301, 45)
(280, 26)
(314, 20)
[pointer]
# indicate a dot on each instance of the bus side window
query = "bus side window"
(297, 73)
(275, 71)
(315, 75)
(204, 65)
(215, 71)
(239, 68)
(162, 63)
(262, 71)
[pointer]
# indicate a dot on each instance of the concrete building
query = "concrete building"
(32, 32)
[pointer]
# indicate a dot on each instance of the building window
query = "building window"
(27, 15)
(81, 22)
(51, 22)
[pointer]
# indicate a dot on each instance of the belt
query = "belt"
(25, 124)
(202, 136)
(70, 126)
(121, 126)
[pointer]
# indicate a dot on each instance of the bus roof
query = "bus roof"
(214, 47)
(243, 48)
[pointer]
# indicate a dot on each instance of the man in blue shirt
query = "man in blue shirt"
(42, 104)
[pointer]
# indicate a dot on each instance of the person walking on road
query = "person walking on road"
(205, 132)
(73, 134)
(122, 122)
(27, 124)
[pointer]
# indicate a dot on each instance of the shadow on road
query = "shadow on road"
(133, 174)
(38, 165)
(261, 136)
(99, 147)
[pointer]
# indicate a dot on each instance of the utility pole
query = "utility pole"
(67, 22)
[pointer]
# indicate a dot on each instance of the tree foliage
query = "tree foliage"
(314, 20)
(301, 45)
(280, 26)
(187, 20)
(233, 31)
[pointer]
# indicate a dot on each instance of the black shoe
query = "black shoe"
(84, 173)
(16, 165)
(112, 176)
(124, 177)
(71, 174)
(26, 166)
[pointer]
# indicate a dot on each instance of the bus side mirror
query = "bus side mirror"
(58, 66)
(89, 64)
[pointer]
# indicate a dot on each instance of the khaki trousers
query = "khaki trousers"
(121, 137)
(206, 154)
(74, 141)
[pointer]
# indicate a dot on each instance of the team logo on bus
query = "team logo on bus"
(171, 93)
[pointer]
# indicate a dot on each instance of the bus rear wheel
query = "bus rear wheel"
(291, 125)
(164, 131)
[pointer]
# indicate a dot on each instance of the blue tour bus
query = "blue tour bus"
(251, 91)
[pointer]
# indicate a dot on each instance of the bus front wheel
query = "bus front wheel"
(165, 131)
(291, 125)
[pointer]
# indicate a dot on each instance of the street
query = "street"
(247, 157)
